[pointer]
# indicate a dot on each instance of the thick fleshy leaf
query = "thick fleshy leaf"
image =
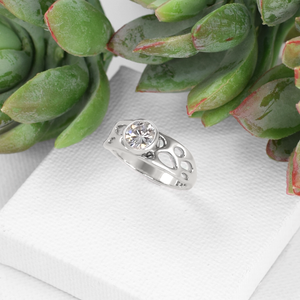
(297, 23)
(144, 3)
(266, 40)
(214, 116)
(156, 4)
(270, 111)
(296, 170)
(229, 80)
(78, 27)
(129, 36)
(267, 50)
(281, 150)
(8, 39)
(107, 57)
(30, 11)
(290, 190)
(36, 36)
(8, 126)
(15, 66)
(94, 111)
(22, 137)
(197, 114)
(278, 72)
(59, 124)
(291, 53)
(177, 10)
(274, 12)
(49, 94)
(297, 78)
(180, 46)
(270, 40)
(54, 54)
(222, 29)
(36, 44)
(97, 4)
(179, 75)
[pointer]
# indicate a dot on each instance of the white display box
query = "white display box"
(282, 281)
(87, 224)
(15, 285)
(15, 168)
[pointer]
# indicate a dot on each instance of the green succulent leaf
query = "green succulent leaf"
(291, 53)
(278, 72)
(197, 114)
(8, 126)
(229, 80)
(33, 44)
(78, 27)
(28, 48)
(214, 116)
(107, 57)
(8, 39)
(144, 3)
(270, 111)
(297, 80)
(22, 137)
(179, 46)
(177, 10)
(274, 12)
(156, 4)
(49, 94)
(94, 111)
(29, 11)
(97, 4)
(295, 170)
(297, 23)
(267, 37)
(222, 29)
(283, 30)
(59, 124)
(179, 75)
(281, 150)
(54, 54)
(290, 190)
(129, 36)
(15, 66)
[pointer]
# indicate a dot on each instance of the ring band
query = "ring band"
(157, 156)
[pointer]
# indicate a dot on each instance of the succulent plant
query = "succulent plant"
(53, 82)
(226, 54)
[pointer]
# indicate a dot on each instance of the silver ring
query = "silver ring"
(157, 156)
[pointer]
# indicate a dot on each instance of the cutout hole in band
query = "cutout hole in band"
(184, 176)
(186, 166)
(167, 159)
(161, 142)
(179, 152)
(120, 129)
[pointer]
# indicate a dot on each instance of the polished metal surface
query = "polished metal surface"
(165, 161)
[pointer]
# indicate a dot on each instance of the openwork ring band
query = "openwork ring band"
(160, 158)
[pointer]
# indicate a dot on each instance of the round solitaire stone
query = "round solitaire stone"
(140, 135)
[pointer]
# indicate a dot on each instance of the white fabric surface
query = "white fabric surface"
(18, 166)
(88, 225)
(15, 285)
(282, 281)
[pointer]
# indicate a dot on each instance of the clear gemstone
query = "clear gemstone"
(140, 135)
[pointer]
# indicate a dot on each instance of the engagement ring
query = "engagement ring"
(157, 156)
